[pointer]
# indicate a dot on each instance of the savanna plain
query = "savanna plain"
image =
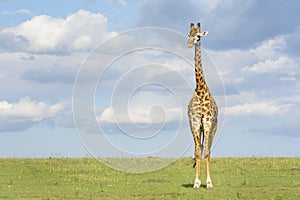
(87, 178)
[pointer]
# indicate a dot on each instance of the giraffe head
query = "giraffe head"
(195, 35)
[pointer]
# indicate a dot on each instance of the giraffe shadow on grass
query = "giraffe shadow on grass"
(189, 185)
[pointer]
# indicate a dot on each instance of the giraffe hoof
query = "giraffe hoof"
(209, 186)
(196, 187)
(197, 184)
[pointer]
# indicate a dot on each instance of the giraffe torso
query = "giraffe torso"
(202, 108)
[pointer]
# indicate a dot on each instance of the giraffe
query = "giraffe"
(202, 111)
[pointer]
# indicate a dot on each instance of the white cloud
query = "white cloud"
(25, 113)
(146, 107)
(28, 108)
(24, 12)
(288, 78)
(260, 104)
(283, 64)
(270, 48)
(44, 34)
(6, 12)
(20, 11)
(264, 67)
(212, 4)
(267, 52)
(230, 61)
(19, 66)
(259, 108)
(117, 2)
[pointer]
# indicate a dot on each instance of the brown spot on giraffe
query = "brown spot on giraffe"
(202, 110)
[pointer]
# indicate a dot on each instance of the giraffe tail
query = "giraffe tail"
(202, 142)
(201, 146)
(194, 162)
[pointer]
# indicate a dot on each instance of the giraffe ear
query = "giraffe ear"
(204, 33)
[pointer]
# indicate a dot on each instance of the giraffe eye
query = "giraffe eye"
(198, 37)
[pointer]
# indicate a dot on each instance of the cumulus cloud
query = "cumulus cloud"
(25, 113)
(235, 61)
(282, 64)
(270, 48)
(261, 68)
(244, 69)
(80, 31)
(259, 108)
(144, 108)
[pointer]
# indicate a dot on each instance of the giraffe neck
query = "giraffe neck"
(200, 81)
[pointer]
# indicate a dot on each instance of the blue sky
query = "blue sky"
(252, 50)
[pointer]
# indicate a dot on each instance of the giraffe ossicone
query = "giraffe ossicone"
(204, 33)
(202, 111)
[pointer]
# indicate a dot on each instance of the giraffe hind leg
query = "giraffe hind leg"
(208, 144)
(197, 182)
(209, 184)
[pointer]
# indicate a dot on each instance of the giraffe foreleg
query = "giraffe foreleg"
(198, 156)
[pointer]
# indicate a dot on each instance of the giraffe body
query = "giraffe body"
(202, 111)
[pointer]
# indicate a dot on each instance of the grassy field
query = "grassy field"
(64, 178)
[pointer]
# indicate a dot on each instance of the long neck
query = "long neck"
(200, 81)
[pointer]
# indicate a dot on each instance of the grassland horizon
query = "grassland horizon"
(87, 178)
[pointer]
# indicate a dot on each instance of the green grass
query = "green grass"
(64, 178)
